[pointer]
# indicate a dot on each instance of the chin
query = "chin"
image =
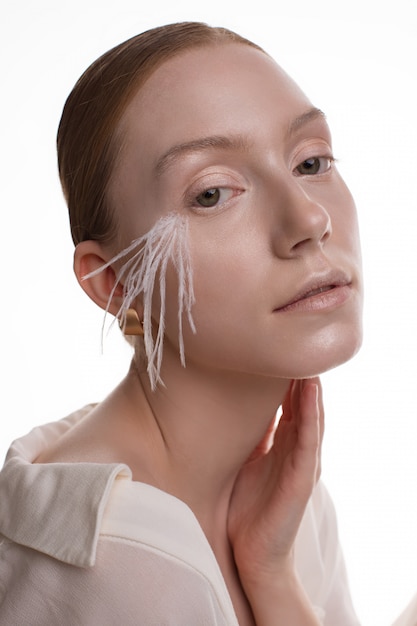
(325, 354)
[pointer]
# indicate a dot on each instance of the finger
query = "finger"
(286, 433)
(316, 381)
(293, 399)
(309, 437)
(309, 413)
(321, 424)
(300, 444)
(266, 442)
(286, 405)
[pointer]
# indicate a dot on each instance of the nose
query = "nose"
(303, 223)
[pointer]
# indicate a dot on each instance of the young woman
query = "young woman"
(210, 220)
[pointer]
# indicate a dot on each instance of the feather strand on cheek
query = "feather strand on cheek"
(149, 256)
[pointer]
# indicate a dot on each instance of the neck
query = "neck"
(209, 424)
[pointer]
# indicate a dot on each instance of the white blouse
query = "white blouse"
(83, 544)
(409, 616)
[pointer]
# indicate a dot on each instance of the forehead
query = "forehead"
(218, 89)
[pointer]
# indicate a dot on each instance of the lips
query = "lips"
(316, 287)
(315, 292)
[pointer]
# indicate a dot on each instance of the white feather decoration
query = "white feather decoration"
(149, 256)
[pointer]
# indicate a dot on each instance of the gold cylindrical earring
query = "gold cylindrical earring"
(130, 323)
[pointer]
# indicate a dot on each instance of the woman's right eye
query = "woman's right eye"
(213, 196)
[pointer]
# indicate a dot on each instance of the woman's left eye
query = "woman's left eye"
(213, 196)
(314, 165)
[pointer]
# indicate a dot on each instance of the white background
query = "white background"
(356, 61)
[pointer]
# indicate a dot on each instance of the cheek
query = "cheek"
(230, 267)
(226, 279)
(222, 280)
(344, 217)
(349, 229)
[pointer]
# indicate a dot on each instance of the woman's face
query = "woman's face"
(224, 136)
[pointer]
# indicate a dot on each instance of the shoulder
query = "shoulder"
(59, 444)
(116, 430)
(149, 550)
(81, 442)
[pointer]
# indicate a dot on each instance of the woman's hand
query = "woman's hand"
(267, 505)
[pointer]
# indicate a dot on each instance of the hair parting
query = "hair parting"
(149, 255)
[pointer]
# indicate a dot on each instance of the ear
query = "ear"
(88, 257)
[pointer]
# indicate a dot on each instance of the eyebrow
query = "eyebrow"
(223, 142)
(226, 142)
(309, 116)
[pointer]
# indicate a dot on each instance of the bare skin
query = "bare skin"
(277, 279)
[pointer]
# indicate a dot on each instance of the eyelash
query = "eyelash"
(194, 203)
(215, 191)
(329, 158)
(225, 193)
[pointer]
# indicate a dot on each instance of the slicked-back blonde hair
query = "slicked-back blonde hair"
(87, 138)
